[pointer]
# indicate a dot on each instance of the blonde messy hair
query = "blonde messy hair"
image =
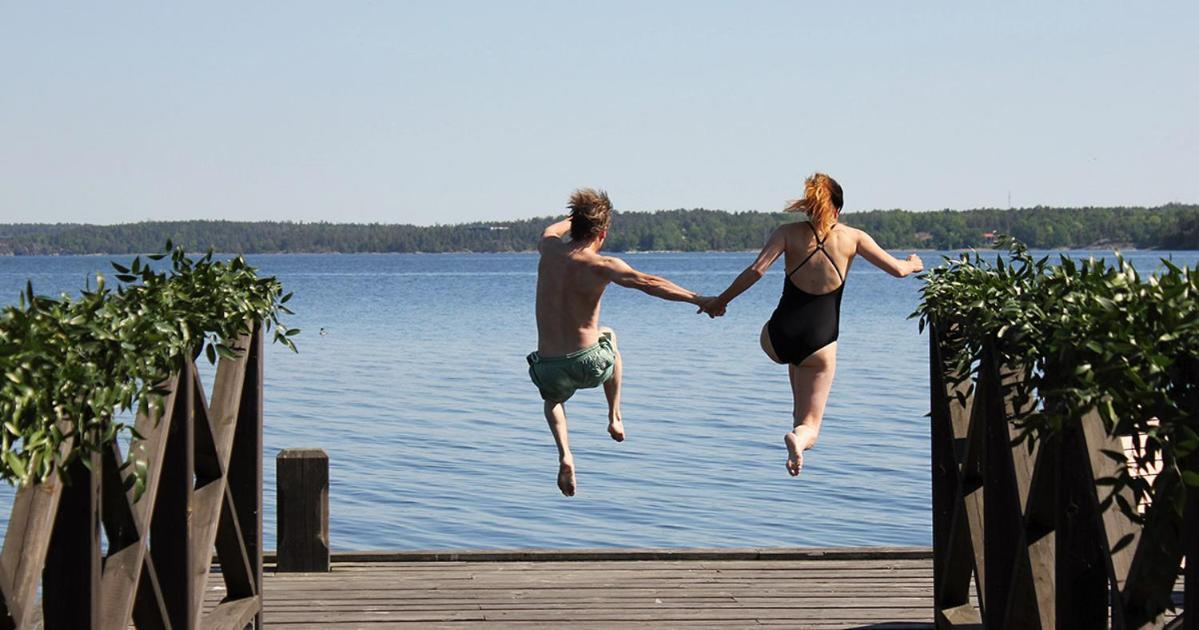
(822, 201)
(590, 213)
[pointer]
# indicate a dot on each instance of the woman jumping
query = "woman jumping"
(803, 330)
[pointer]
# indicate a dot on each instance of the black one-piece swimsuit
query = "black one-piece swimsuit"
(804, 323)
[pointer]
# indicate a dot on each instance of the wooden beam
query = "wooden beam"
(26, 543)
(150, 608)
(1002, 515)
(72, 570)
(244, 472)
(966, 553)
(1080, 558)
(125, 513)
(169, 545)
(236, 567)
(214, 427)
(1190, 525)
(233, 614)
(950, 426)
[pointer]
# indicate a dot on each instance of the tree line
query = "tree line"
(1172, 226)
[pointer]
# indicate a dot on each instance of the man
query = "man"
(573, 352)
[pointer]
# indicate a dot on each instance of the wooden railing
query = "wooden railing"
(1027, 525)
(202, 464)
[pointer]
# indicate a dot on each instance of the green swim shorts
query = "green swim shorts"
(559, 377)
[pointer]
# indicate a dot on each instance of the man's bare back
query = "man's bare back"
(570, 283)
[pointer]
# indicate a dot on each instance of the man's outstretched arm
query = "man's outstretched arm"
(618, 271)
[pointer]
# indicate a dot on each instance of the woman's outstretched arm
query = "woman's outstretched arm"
(770, 253)
(888, 263)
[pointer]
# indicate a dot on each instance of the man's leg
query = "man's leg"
(555, 415)
(612, 393)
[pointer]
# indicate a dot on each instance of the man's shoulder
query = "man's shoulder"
(601, 261)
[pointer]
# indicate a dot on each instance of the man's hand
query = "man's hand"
(713, 307)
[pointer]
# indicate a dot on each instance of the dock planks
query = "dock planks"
(853, 588)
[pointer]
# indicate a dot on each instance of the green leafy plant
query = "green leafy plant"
(71, 363)
(1090, 336)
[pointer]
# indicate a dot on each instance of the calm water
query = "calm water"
(419, 393)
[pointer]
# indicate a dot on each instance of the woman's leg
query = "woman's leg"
(810, 384)
(768, 347)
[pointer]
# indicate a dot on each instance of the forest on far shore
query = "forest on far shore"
(1172, 226)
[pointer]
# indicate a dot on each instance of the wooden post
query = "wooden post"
(1190, 528)
(169, 526)
(302, 476)
(1001, 504)
(245, 464)
(1190, 545)
(1081, 565)
(944, 464)
(72, 571)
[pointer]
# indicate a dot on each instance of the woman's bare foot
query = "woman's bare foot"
(616, 427)
(794, 453)
(566, 476)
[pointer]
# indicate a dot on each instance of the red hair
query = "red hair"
(822, 201)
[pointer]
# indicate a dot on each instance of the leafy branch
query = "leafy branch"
(71, 363)
(1092, 336)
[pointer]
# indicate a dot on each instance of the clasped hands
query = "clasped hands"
(713, 307)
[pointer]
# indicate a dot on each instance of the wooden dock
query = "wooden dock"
(795, 588)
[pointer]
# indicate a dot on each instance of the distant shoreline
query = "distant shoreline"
(1172, 226)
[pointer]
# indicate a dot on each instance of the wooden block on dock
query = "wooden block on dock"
(302, 478)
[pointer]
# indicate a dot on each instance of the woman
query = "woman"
(803, 330)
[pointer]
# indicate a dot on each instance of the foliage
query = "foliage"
(70, 362)
(1092, 336)
(1171, 226)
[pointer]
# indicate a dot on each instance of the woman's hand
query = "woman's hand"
(714, 307)
(915, 263)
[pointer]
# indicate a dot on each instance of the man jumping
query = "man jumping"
(573, 351)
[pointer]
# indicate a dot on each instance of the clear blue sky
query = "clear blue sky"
(442, 112)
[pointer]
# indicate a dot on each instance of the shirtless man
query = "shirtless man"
(573, 351)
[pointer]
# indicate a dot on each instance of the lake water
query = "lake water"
(420, 395)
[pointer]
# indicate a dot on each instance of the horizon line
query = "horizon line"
(616, 211)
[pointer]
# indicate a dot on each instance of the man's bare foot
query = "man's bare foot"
(566, 477)
(616, 428)
(794, 454)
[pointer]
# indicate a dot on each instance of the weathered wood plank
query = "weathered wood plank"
(232, 615)
(575, 593)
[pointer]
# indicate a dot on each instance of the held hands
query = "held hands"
(713, 307)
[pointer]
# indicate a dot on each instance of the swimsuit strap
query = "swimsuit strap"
(819, 248)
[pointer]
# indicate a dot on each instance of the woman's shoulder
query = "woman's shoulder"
(849, 230)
